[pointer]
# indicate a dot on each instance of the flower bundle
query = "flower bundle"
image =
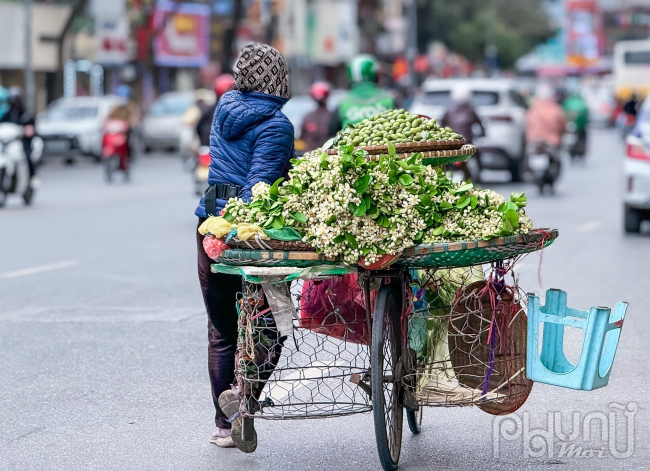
(347, 205)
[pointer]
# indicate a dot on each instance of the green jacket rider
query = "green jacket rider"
(365, 99)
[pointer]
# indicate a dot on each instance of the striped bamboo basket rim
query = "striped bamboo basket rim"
(410, 147)
(267, 258)
(475, 252)
(257, 243)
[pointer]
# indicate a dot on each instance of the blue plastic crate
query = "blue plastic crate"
(598, 350)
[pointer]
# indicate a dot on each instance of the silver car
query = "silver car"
(501, 108)
(71, 126)
(161, 128)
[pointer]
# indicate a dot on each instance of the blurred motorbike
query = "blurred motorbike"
(543, 164)
(573, 142)
(14, 168)
(115, 148)
(201, 170)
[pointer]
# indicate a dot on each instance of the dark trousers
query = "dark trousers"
(219, 294)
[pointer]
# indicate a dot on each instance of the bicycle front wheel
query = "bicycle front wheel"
(386, 371)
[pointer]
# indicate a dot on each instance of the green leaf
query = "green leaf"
(351, 240)
(338, 239)
(365, 251)
(462, 202)
(274, 190)
(299, 217)
(474, 201)
(323, 161)
(352, 207)
(438, 230)
(373, 212)
(228, 217)
(366, 198)
(361, 209)
(506, 225)
(286, 234)
(278, 222)
(465, 187)
(513, 217)
(392, 177)
(360, 161)
(346, 149)
(405, 179)
(361, 185)
(331, 220)
(391, 149)
(425, 199)
(445, 205)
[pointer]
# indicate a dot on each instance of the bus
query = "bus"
(632, 69)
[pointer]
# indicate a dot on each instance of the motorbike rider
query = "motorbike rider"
(576, 110)
(129, 112)
(630, 107)
(545, 125)
(18, 114)
(365, 99)
(315, 124)
(204, 125)
(545, 120)
(461, 117)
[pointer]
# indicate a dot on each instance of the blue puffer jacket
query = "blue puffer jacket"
(251, 141)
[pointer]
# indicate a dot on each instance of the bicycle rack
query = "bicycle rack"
(551, 367)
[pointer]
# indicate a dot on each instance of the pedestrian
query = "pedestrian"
(251, 141)
(315, 124)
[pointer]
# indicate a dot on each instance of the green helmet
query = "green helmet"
(363, 68)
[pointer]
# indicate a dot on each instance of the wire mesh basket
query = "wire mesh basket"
(467, 340)
(306, 358)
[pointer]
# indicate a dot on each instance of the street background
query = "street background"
(103, 330)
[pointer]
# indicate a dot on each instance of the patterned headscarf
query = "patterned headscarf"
(260, 68)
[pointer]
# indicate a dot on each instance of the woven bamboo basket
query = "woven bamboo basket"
(258, 243)
(410, 147)
(437, 157)
(457, 254)
(475, 252)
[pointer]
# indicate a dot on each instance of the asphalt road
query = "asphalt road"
(103, 335)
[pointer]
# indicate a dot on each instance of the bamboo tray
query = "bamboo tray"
(410, 147)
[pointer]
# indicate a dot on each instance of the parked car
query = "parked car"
(161, 127)
(73, 126)
(501, 108)
(636, 170)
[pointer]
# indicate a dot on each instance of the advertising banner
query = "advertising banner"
(184, 38)
(585, 33)
(111, 40)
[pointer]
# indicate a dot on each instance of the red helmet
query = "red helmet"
(320, 91)
(222, 83)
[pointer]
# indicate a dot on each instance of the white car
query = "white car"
(501, 108)
(637, 172)
(74, 125)
(162, 126)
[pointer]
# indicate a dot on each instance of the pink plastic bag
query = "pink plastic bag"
(335, 308)
(213, 246)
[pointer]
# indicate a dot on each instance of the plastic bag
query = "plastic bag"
(213, 246)
(335, 308)
(247, 231)
(217, 226)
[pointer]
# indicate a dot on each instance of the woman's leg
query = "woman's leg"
(219, 294)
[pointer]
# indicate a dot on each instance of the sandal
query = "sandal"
(229, 404)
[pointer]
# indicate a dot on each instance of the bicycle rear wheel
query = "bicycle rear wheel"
(414, 419)
(386, 372)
